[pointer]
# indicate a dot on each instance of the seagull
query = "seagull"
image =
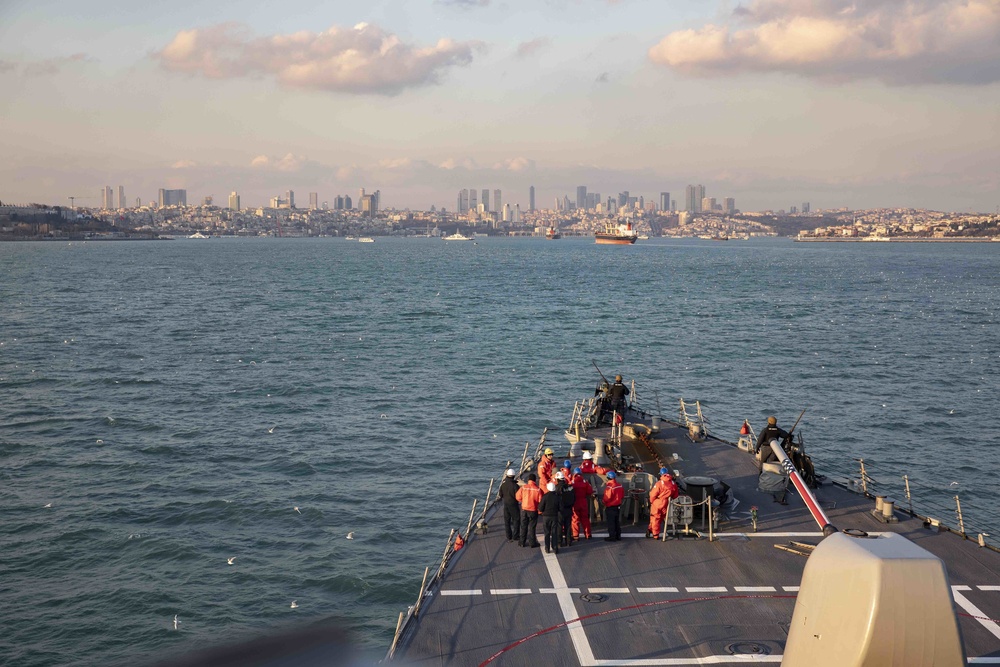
(297, 510)
(176, 622)
(953, 484)
(271, 430)
(229, 561)
(47, 506)
(294, 605)
(350, 535)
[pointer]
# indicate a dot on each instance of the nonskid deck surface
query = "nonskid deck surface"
(684, 601)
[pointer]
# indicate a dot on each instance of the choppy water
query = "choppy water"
(174, 402)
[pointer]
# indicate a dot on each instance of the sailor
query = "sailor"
(582, 492)
(546, 468)
(511, 508)
(566, 501)
(616, 395)
(770, 432)
(614, 494)
(587, 467)
(529, 496)
(602, 469)
(660, 496)
(567, 470)
(548, 507)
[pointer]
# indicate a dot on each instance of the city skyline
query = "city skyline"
(773, 102)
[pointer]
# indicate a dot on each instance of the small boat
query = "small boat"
(616, 234)
(199, 235)
(457, 236)
(366, 239)
(552, 234)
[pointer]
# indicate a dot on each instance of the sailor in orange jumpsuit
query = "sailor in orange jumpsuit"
(659, 499)
(546, 469)
(582, 491)
(587, 467)
(529, 495)
(614, 494)
(567, 471)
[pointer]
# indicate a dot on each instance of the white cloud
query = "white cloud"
(183, 164)
(533, 46)
(515, 164)
(362, 59)
(895, 41)
(459, 163)
(45, 67)
(289, 163)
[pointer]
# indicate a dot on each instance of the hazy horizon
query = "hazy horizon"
(772, 102)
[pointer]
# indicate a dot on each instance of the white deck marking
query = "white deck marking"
(984, 661)
(558, 590)
(663, 589)
(754, 589)
(988, 588)
(707, 589)
(707, 660)
(607, 590)
(455, 591)
(790, 589)
(510, 591)
(972, 609)
(584, 653)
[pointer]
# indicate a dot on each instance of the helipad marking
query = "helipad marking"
(559, 590)
(981, 616)
(607, 590)
(662, 589)
(988, 588)
(455, 591)
(584, 653)
(790, 589)
(754, 589)
(510, 591)
(706, 589)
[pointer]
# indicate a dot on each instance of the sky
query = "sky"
(840, 103)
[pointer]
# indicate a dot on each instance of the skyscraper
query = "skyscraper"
(581, 197)
(805, 207)
(463, 201)
(692, 198)
(729, 205)
(347, 202)
(665, 202)
(234, 201)
(172, 197)
(107, 198)
(313, 201)
(121, 197)
(486, 200)
(708, 204)
(473, 202)
(531, 198)
(290, 197)
(497, 202)
(368, 206)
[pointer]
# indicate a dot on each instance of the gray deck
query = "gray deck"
(701, 598)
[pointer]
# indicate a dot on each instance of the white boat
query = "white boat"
(199, 235)
(457, 236)
(366, 239)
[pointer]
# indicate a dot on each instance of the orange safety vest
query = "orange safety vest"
(614, 494)
(529, 496)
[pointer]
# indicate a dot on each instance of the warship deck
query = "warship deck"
(682, 601)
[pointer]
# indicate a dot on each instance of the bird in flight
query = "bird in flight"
(229, 561)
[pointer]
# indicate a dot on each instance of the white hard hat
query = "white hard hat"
(551, 486)
(510, 472)
(560, 475)
(587, 456)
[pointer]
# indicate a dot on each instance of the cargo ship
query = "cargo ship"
(620, 233)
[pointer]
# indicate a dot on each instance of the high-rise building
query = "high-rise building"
(729, 205)
(173, 198)
(107, 198)
(623, 198)
(692, 198)
(290, 198)
(531, 198)
(378, 200)
(517, 213)
(313, 201)
(486, 200)
(361, 194)
(805, 207)
(473, 200)
(497, 202)
(368, 206)
(708, 204)
(234, 201)
(665, 202)
(581, 196)
(348, 204)
(506, 213)
(463, 202)
(338, 203)
(121, 197)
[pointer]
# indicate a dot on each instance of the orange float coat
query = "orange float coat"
(659, 499)
(587, 467)
(614, 494)
(529, 495)
(545, 472)
(582, 491)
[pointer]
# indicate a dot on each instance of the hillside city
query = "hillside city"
(698, 216)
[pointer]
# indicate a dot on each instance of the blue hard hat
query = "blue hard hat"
(576, 471)
(664, 471)
(612, 475)
(567, 463)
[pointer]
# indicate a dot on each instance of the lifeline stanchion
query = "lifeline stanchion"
(524, 457)
(420, 596)
(958, 511)
(395, 638)
(486, 503)
(909, 500)
(444, 558)
(468, 526)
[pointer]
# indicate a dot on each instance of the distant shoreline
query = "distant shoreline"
(898, 239)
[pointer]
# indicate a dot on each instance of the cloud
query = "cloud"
(601, 78)
(515, 164)
(45, 67)
(183, 164)
(899, 42)
(289, 163)
(362, 59)
(462, 163)
(533, 46)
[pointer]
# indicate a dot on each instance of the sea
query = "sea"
(191, 430)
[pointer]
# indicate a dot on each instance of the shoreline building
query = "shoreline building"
(665, 202)
(497, 202)
(313, 201)
(486, 200)
(693, 196)
(234, 201)
(172, 198)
